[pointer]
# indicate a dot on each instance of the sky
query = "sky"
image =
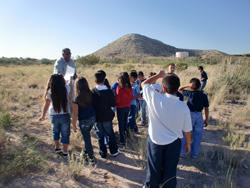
(42, 28)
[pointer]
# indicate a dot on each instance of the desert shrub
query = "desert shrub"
(128, 67)
(5, 120)
(20, 159)
(138, 146)
(88, 60)
(74, 167)
(181, 66)
(45, 61)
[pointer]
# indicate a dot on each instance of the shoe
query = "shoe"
(92, 161)
(65, 155)
(121, 143)
(194, 157)
(58, 150)
(116, 154)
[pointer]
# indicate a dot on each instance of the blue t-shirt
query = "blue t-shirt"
(85, 112)
(204, 75)
(196, 100)
(136, 91)
(114, 86)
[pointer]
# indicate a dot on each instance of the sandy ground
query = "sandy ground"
(123, 170)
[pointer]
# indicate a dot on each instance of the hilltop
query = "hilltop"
(139, 46)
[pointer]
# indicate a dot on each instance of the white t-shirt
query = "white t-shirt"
(168, 116)
(51, 109)
(157, 87)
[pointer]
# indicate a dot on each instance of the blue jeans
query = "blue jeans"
(100, 129)
(203, 84)
(85, 127)
(122, 116)
(197, 124)
(162, 163)
(60, 124)
(131, 118)
(143, 105)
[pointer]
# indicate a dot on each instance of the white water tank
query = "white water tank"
(182, 54)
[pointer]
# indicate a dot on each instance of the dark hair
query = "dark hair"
(171, 64)
(200, 67)
(152, 74)
(83, 94)
(124, 77)
(106, 83)
(171, 83)
(99, 77)
(196, 82)
(133, 74)
(140, 73)
(56, 85)
(64, 50)
(103, 72)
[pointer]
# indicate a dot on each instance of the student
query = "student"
(171, 70)
(157, 87)
(106, 83)
(136, 95)
(196, 101)
(103, 100)
(203, 77)
(56, 101)
(124, 95)
(142, 102)
(168, 119)
(84, 111)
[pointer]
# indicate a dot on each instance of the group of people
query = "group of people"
(170, 120)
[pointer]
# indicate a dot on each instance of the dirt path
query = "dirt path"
(121, 171)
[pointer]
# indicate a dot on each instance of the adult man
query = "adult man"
(169, 118)
(65, 62)
(203, 77)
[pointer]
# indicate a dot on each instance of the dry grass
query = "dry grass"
(22, 87)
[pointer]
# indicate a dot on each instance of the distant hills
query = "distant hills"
(139, 46)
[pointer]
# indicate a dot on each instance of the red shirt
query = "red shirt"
(123, 97)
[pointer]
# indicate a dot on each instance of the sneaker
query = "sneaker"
(121, 144)
(65, 155)
(194, 157)
(92, 161)
(58, 150)
(116, 154)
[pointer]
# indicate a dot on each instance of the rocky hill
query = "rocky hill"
(139, 46)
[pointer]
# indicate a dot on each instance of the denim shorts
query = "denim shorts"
(61, 124)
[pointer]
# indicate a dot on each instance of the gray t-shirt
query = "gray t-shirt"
(61, 66)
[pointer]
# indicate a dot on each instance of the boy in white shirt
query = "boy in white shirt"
(168, 119)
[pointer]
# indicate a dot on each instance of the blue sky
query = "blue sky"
(41, 28)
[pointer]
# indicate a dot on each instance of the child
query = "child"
(124, 95)
(168, 118)
(141, 100)
(157, 87)
(103, 100)
(171, 70)
(203, 77)
(84, 111)
(197, 100)
(136, 95)
(56, 101)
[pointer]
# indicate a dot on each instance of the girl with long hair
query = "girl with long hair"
(56, 101)
(84, 111)
(124, 95)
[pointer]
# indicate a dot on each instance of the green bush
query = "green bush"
(88, 60)
(45, 61)
(5, 120)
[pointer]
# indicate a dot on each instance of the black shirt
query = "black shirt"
(196, 100)
(103, 100)
(204, 75)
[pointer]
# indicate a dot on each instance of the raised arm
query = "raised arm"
(181, 88)
(153, 79)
